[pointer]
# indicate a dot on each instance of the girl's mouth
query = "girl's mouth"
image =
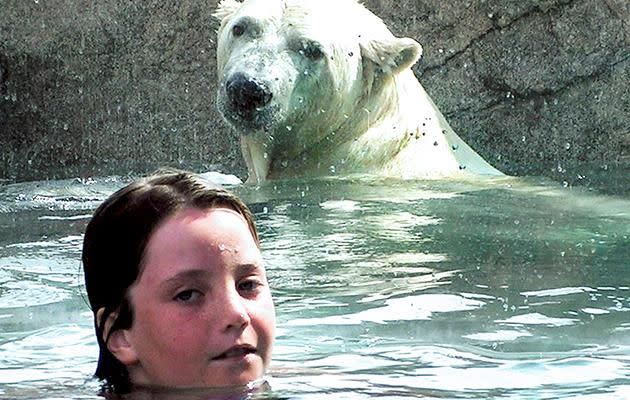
(236, 352)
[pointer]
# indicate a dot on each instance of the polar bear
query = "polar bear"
(319, 87)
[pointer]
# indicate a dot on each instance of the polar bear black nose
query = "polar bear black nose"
(246, 94)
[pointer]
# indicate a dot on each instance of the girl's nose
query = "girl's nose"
(235, 315)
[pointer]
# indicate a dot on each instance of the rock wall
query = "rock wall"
(111, 87)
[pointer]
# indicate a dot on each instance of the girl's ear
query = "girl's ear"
(116, 341)
(121, 348)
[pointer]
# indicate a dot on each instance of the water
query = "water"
(507, 290)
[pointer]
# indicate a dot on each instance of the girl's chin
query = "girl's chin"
(223, 374)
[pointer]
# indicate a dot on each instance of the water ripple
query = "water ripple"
(537, 319)
(411, 308)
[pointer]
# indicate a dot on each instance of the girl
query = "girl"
(176, 282)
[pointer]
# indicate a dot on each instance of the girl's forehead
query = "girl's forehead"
(196, 233)
(198, 212)
(189, 225)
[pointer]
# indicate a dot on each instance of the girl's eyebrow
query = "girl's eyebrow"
(202, 273)
(248, 268)
(185, 276)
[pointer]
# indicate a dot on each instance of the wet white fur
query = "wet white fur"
(360, 109)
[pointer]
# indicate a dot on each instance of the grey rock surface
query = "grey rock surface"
(111, 87)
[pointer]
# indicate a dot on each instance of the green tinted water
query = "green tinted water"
(387, 289)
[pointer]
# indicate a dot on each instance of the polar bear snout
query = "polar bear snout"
(247, 95)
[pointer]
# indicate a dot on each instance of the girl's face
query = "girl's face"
(202, 309)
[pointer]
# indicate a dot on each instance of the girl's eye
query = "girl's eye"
(188, 296)
(249, 285)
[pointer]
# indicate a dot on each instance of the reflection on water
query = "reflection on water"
(383, 289)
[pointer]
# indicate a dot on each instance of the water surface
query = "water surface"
(388, 289)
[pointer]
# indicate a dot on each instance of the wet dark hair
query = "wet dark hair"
(114, 245)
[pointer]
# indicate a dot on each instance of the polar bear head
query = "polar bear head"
(283, 63)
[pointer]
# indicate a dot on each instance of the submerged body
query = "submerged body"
(321, 87)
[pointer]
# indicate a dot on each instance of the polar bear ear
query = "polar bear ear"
(226, 8)
(391, 56)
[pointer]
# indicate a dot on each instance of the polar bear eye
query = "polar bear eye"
(312, 51)
(238, 30)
